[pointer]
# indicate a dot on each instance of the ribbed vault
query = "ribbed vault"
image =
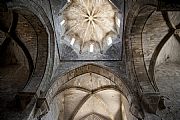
(90, 21)
(94, 116)
(90, 93)
(87, 97)
(90, 29)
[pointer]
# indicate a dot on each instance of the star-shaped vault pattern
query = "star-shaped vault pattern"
(90, 21)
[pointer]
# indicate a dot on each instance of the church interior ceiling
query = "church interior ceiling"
(91, 99)
(91, 30)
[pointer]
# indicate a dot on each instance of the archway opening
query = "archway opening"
(89, 96)
(161, 45)
(23, 55)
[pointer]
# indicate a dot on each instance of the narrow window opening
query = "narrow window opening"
(109, 41)
(62, 22)
(91, 48)
(72, 41)
(118, 22)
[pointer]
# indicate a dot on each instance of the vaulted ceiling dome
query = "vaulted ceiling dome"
(90, 21)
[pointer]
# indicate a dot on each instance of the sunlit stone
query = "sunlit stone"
(90, 20)
(123, 112)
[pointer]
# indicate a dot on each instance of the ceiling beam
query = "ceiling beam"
(105, 106)
(93, 113)
(76, 110)
(71, 88)
(102, 88)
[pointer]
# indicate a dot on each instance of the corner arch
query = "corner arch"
(45, 57)
(135, 23)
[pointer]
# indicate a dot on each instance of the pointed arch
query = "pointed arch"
(136, 21)
(89, 68)
(46, 41)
